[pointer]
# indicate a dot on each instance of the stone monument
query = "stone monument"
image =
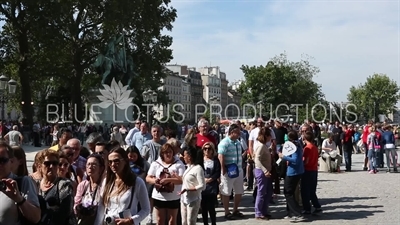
(114, 102)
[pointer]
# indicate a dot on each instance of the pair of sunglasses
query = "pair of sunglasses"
(63, 164)
(116, 161)
(49, 163)
(4, 160)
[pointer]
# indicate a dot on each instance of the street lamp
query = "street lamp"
(213, 100)
(4, 94)
(150, 96)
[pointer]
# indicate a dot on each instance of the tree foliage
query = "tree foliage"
(280, 81)
(378, 95)
(55, 43)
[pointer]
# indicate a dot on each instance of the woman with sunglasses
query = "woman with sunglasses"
(212, 173)
(122, 193)
(56, 191)
(64, 170)
(87, 195)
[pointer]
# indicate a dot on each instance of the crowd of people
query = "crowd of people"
(122, 180)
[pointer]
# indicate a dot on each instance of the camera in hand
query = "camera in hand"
(3, 185)
(109, 220)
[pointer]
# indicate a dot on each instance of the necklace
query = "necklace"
(47, 186)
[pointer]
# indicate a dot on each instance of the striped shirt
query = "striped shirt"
(231, 150)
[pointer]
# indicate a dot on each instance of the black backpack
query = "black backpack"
(42, 203)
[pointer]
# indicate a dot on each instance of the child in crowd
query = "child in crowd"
(371, 143)
(310, 175)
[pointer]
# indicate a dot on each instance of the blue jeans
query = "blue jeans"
(347, 153)
(309, 190)
(391, 158)
(264, 193)
(372, 159)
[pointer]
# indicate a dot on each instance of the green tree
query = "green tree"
(280, 82)
(66, 37)
(378, 95)
(16, 48)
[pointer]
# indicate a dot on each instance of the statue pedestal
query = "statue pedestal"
(110, 115)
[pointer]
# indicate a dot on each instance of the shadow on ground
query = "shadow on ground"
(333, 208)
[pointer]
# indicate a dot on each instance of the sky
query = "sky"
(348, 40)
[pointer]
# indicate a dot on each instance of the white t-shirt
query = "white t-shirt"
(254, 134)
(155, 170)
(326, 144)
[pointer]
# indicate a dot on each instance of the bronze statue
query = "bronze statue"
(115, 63)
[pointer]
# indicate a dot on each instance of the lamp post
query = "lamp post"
(4, 93)
(150, 97)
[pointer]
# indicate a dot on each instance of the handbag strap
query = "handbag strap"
(132, 193)
(131, 200)
(89, 187)
(237, 153)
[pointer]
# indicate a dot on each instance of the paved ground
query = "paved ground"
(352, 198)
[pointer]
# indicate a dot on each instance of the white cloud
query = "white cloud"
(349, 40)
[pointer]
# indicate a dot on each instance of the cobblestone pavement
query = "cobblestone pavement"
(352, 198)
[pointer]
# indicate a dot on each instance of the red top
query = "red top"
(348, 135)
(202, 139)
(310, 155)
(365, 134)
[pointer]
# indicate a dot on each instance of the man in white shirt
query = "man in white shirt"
(254, 134)
(14, 137)
(329, 153)
(129, 136)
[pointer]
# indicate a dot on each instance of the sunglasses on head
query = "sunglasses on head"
(49, 163)
(4, 160)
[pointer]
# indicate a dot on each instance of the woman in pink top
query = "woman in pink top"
(88, 192)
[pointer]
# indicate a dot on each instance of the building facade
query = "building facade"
(186, 99)
(224, 90)
(211, 80)
(172, 84)
(196, 89)
(191, 76)
(233, 110)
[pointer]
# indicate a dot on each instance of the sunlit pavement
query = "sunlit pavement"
(352, 198)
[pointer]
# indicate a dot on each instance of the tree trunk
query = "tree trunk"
(24, 77)
(76, 92)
